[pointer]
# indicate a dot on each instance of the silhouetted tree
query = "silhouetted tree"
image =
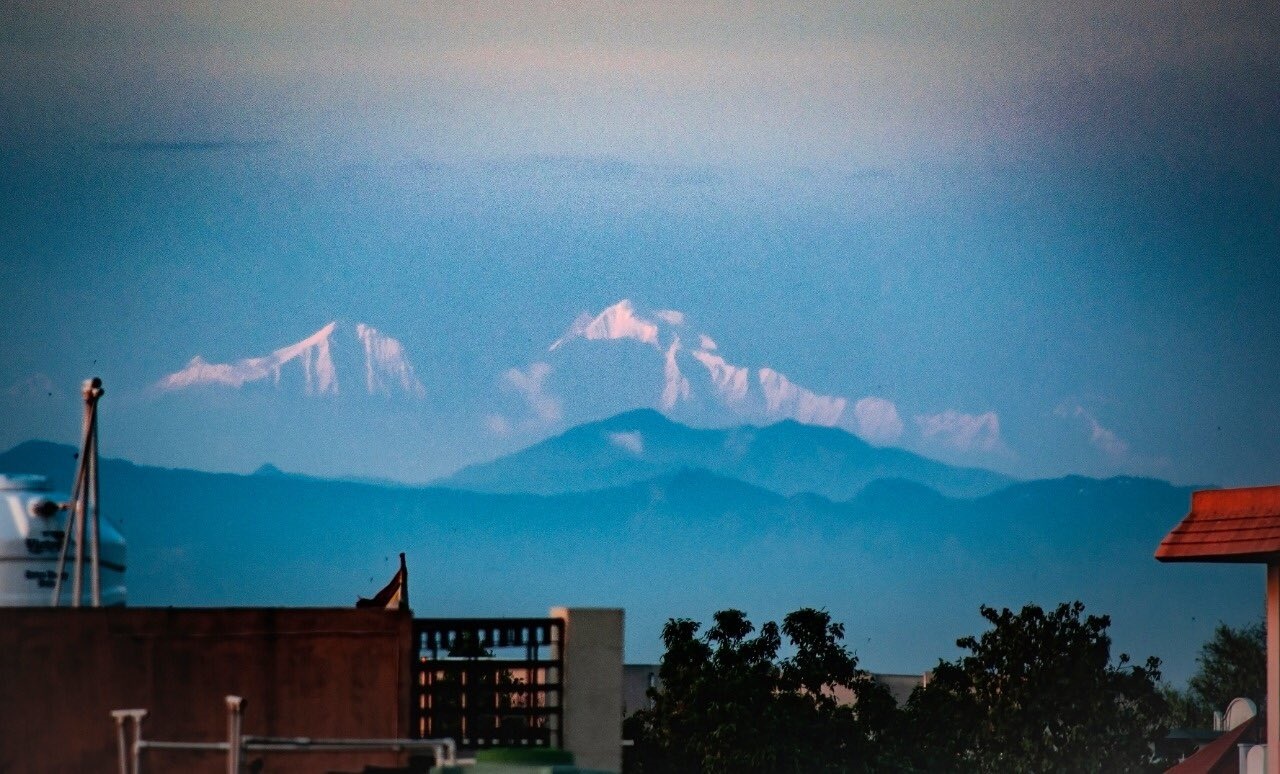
(1232, 663)
(1038, 692)
(729, 704)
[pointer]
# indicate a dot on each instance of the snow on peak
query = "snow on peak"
(780, 397)
(965, 431)
(675, 385)
(631, 441)
(765, 393)
(786, 398)
(385, 360)
(876, 419)
(385, 363)
(619, 321)
(730, 380)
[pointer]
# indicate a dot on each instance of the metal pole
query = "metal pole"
(234, 704)
(122, 718)
(120, 743)
(445, 750)
(66, 542)
(91, 499)
(82, 502)
(73, 508)
(94, 525)
(137, 744)
(77, 577)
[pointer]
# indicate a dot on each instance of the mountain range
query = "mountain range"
(786, 457)
(904, 565)
(668, 363)
(288, 404)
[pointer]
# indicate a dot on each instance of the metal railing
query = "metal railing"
(131, 744)
(488, 682)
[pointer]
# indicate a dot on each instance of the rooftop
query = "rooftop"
(1227, 525)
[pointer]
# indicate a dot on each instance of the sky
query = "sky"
(1040, 239)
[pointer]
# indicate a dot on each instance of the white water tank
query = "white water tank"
(31, 530)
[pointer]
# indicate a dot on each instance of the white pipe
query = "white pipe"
(159, 745)
(445, 750)
(122, 718)
(234, 705)
(120, 743)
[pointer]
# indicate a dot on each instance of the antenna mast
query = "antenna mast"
(84, 503)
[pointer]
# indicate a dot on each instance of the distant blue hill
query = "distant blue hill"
(787, 457)
(903, 566)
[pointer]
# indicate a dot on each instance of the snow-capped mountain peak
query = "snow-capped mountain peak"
(619, 321)
(386, 364)
(703, 377)
(731, 385)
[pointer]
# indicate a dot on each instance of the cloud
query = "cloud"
(785, 398)
(675, 385)
(186, 146)
(706, 342)
(497, 424)
(37, 385)
(730, 380)
(670, 316)
(531, 384)
(1102, 438)
(877, 420)
(617, 322)
(966, 432)
(632, 441)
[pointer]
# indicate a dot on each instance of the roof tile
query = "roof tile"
(1227, 525)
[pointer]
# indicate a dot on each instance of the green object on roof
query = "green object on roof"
(519, 760)
(529, 756)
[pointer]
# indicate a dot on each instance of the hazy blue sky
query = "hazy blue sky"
(1043, 239)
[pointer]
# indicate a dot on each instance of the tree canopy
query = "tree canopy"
(1039, 691)
(1232, 663)
(728, 703)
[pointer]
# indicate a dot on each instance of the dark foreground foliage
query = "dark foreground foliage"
(1233, 663)
(1038, 692)
(728, 703)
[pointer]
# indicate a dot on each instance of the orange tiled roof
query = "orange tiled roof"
(1227, 525)
(1220, 756)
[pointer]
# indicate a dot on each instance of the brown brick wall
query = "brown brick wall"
(302, 672)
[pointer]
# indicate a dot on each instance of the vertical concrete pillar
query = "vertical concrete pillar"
(592, 653)
(1273, 668)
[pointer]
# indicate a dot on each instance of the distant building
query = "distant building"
(637, 679)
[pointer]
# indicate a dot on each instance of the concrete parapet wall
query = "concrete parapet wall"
(592, 654)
